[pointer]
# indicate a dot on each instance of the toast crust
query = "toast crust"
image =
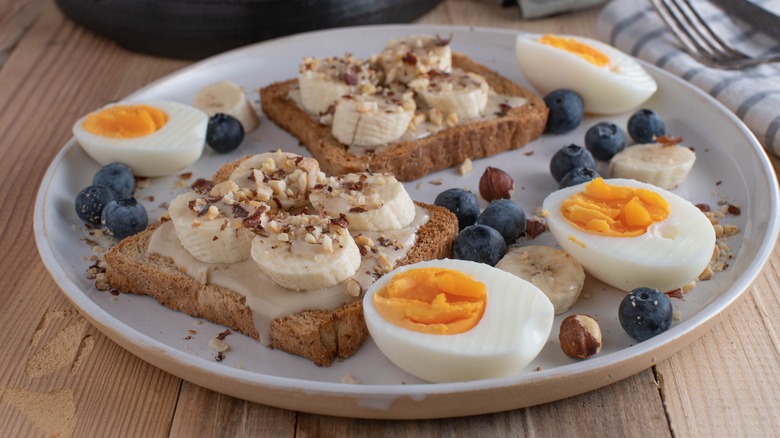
(411, 160)
(321, 336)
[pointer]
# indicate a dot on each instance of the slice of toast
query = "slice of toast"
(411, 160)
(318, 335)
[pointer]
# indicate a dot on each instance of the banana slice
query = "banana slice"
(305, 252)
(373, 120)
(228, 98)
(323, 81)
(463, 93)
(368, 201)
(280, 178)
(413, 57)
(552, 270)
(665, 166)
(209, 224)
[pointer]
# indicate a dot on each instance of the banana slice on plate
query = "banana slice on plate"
(552, 270)
(209, 224)
(280, 178)
(323, 81)
(463, 93)
(228, 98)
(374, 119)
(663, 165)
(305, 252)
(368, 201)
(406, 59)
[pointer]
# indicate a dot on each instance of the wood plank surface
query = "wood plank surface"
(15, 17)
(61, 377)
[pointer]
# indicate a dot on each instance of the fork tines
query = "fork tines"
(698, 38)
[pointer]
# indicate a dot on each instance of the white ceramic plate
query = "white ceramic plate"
(731, 166)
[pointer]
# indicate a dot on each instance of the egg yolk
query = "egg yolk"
(613, 210)
(575, 47)
(125, 121)
(432, 300)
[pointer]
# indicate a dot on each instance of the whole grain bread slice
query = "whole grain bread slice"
(321, 336)
(410, 160)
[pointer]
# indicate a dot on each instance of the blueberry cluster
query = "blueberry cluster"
(224, 133)
(484, 236)
(605, 139)
(109, 202)
(573, 164)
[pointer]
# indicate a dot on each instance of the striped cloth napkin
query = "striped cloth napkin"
(752, 94)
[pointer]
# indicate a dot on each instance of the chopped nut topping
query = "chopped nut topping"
(346, 378)
(452, 119)
(384, 264)
(707, 274)
(218, 345)
(327, 244)
(354, 288)
(466, 167)
(202, 186)
(213, 212)
(364, 240)
(534, 228)
(503, 109)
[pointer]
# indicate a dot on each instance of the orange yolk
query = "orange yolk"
(575, 47)
(614, 211)
(432, 300)
(125, 121)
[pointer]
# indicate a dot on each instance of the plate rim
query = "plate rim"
(161, 353)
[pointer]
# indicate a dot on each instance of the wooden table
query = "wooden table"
(725, 383)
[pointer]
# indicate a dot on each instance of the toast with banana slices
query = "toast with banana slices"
(265, 248)
(411, 110)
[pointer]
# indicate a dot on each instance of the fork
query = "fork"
(700, 41)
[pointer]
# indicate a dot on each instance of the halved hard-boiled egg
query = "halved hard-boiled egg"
(630, 234)
(456, 320)
(608, 80)
(152, 138)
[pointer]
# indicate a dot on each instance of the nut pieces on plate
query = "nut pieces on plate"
(495, 184)
(580, 336)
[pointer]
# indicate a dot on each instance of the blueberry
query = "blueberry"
(506, 217)
(645, 312)
(91, 201)
(124, 217)
(461, 202)
(566, 111)
(578, 175)
(644, 125)
(479, 243)
(224, 133)
(568, 158)
(117, 177)
(604, 140)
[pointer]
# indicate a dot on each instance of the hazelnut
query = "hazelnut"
(580, 336)
(495, 184)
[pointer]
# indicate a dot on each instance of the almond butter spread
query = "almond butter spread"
(267, 300)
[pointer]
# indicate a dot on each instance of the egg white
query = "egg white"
(671, 254)
(603, 90)
(176, 145)
(515, 326)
